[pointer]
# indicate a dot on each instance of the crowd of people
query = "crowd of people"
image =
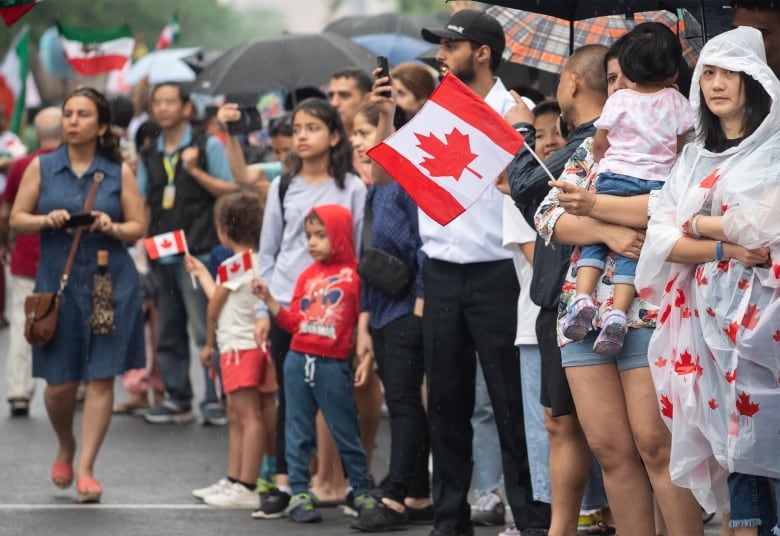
(594, 340)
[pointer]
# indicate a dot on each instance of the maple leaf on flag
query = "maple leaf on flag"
(711, 311)
(745, 406)
(776, 336)
(713, 403)
(166, 243)
(723, 265)
(666, 407)
(686, 365)
(776, 268)
(686, 313)
(710, 180)
(732, 331)
(730, 376)
(750, 320)
(235, 267)
(660, 362)
(743, 284)
(450, 158)
(724, 208)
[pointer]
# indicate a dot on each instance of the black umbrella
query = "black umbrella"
(286, 62)
(392, 23)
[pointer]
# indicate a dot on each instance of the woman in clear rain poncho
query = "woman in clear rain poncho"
(712, 261)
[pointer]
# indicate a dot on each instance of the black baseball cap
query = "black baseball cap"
(472, 25)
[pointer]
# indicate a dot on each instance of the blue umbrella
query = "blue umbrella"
(52, 56)
(398, 48)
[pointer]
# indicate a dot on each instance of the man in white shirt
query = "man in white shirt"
(471, 295)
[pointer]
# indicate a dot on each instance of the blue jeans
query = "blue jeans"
(595, 255)
(533, 414)
(180, 306)
(312, 383)
(751, 503)
(487, 449)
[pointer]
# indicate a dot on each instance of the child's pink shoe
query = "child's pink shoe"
(579, 319)
(613, 330)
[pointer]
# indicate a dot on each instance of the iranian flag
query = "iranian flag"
(450, 152)
(95, 51)
(235, 267)
(13, 10)
(166, 244)
(13, 75)
(170, 33)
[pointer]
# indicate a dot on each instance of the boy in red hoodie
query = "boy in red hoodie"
(317, 373)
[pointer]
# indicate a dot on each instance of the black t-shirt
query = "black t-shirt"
(726, 144)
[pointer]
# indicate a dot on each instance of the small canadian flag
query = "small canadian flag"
(235, 266)
(166, 244)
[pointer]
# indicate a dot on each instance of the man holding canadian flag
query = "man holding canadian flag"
(447, 159)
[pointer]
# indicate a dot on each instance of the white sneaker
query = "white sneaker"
(218, 487)
(235, 496)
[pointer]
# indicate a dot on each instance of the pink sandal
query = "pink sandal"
(88, 490)
(62, 474)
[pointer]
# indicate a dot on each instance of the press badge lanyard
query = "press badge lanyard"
(169, 192)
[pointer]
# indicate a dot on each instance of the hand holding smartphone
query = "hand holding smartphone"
(249, 121)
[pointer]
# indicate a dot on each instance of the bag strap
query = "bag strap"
(368, 218)
(97, 178)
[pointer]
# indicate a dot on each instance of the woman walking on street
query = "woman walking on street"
(53, 189)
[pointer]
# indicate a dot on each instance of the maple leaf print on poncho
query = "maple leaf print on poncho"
(450, 158)
(745, 406)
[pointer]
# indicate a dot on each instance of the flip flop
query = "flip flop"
(62, 474)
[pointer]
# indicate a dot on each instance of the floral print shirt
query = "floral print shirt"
(582, 170)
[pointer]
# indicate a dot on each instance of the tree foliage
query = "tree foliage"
(205, 23)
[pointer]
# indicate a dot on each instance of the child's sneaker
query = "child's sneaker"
(274, 505)
(235, 496)
(613, 330)
(579, 319)
(218, 487)
(303, 510)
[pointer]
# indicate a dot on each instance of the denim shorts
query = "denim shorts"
(633, 355)
(751, 503)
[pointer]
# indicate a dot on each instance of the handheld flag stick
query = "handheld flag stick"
(536, 157)
(192, 276)
(256, 274)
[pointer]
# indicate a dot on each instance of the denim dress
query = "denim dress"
(75, 353)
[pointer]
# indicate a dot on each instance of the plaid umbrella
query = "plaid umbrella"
(544, 42)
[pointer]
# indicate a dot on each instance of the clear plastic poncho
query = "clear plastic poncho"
(715, 354)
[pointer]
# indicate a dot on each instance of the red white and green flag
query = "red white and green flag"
(94, 51)
(450, 152)
(170, 33)
(13, 10)
(13, 77)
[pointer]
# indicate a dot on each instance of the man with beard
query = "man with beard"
(471, 295)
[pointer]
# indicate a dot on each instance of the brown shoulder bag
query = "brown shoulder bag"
(41, 308)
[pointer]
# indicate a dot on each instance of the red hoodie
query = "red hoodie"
(326, 301)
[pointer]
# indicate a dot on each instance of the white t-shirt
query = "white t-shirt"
(516, 232)
(642, 132)
(236, 324)
(475, 235)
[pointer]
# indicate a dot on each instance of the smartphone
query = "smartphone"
(79, 220)
(249, 121)
(381, 62)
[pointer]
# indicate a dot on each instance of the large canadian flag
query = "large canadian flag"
(94, 51)
(235, 266)
(166, 244)
(450, 152)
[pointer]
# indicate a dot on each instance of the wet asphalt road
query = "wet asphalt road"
(147, 473)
